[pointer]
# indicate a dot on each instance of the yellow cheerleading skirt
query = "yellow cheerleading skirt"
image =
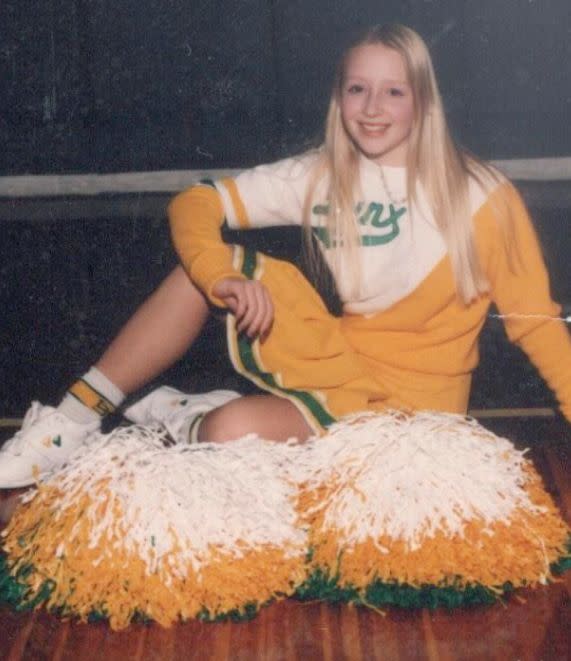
(308, 357)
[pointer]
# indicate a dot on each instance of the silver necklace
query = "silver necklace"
(395, 201)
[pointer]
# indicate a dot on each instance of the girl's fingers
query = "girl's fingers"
(266, 313)
(242, 304)
(255, 319)
(249, 311)
(250, 303)
(256, 313)
(269, 315)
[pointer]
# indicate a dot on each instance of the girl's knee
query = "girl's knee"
(270, 417)
(226, 423)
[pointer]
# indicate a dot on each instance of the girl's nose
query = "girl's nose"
(374, 104)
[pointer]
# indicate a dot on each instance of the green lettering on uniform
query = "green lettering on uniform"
(320, 209)
(378, 240)
(373, 217)
(322, 233)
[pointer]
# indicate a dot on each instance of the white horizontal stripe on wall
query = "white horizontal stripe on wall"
(172, 181)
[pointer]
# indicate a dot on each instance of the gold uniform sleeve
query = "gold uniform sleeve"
(196, 217)
(521, 291)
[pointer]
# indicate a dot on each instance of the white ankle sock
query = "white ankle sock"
(90, 398)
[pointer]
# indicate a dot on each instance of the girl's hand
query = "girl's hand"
(251, 304)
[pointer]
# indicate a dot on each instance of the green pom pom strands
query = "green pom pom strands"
(425, 510)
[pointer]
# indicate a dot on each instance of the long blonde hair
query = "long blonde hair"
(433, 161)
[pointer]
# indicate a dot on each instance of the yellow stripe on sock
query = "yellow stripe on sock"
(89, 397)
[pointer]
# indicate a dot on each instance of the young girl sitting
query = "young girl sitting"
(420, 237)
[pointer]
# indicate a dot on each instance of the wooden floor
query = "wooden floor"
(534, 625)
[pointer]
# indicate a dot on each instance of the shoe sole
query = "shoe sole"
(20, 484)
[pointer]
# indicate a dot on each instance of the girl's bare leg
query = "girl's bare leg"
(157, 335)
(271, 417)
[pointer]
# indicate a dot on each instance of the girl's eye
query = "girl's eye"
(355, 89)
(396, 91)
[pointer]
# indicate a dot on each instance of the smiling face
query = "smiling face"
(376, 103)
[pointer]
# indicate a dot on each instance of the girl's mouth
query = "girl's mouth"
(374, 130)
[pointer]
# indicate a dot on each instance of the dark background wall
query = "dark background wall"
(101, 85)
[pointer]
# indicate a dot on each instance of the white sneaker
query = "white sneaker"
(45, 441)
(175, 410)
